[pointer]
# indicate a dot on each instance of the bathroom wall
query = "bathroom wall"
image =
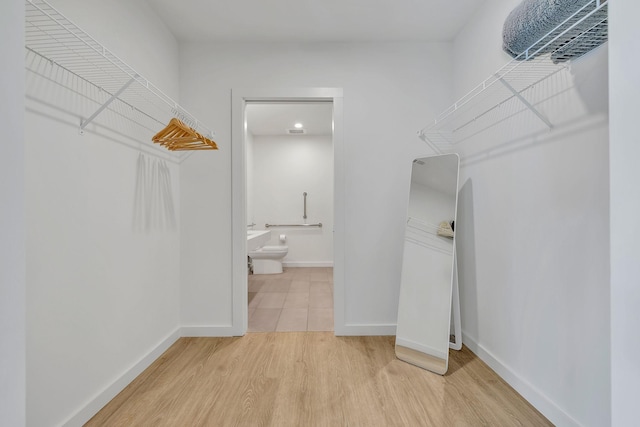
(390, 91)
(102, 292)
(284, 167)
(248, 139)
(533, 239)
(624, 203)
(12, 223)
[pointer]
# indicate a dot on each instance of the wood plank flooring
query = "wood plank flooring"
(311, 379)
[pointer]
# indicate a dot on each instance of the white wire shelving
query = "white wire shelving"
(112, 84)
(511, 90)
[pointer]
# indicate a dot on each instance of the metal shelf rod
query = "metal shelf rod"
(294, 225)
(54, 37)
(586, 27)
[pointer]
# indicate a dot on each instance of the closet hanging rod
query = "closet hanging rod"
(54, 37)
(469, 115)
(294, 225)
(36, 63)
(132, 107)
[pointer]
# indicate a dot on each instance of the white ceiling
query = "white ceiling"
(310, 21)
(314, 20)
(276, 119)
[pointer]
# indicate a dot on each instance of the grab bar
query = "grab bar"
(253, 224)
(304, 196)
(294, 225)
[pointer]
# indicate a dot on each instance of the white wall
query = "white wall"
(389, 93)
(625, 210)
(284, 167)
(248, 138)
(102, 291)
(533, 239)
(430, 204)
(12, 224)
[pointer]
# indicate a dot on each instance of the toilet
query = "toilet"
(268, 259)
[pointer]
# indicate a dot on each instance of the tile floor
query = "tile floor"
(299, 299)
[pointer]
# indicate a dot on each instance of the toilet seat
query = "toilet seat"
(272, 249)
(269, 252)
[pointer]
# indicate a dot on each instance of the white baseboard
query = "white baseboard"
(307, 264)
(208, 331)
(99, 401)
(365, 330)
(542, 403)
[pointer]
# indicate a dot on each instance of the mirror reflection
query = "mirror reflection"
(424, 311)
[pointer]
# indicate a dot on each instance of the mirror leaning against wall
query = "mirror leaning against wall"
(424, 310)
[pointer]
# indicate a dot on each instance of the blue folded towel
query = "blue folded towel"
(533, 19)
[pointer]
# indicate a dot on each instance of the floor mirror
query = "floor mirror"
(424, 310)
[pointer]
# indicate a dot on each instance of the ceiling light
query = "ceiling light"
(298, 126)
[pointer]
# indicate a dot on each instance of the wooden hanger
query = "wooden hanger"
(177, 136)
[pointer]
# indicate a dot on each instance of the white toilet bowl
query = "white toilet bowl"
(268, 259)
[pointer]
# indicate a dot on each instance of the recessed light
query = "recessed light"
(298, 126)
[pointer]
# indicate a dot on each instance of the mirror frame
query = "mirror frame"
(423, 355)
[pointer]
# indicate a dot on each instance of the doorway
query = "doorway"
(261, 145)
(289, 181)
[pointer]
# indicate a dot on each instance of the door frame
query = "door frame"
(239, 99)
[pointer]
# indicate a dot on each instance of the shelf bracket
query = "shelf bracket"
(525, 102)
(431, 145)
(84, 123)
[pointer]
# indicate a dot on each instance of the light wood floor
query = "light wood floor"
(311, 379)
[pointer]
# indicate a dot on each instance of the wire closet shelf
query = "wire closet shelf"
(513, 84)
(54, 38)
